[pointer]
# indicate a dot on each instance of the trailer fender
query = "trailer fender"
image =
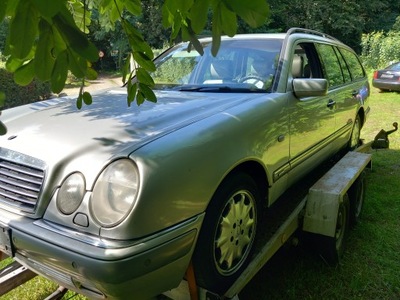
(327, 193)
(321, 213)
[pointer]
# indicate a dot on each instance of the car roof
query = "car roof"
(292, 32)
(248, 36)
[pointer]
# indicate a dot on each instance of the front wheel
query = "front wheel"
(228, 233)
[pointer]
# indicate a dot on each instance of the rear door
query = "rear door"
(346, 80)
(340, 94)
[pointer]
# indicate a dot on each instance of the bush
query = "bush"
(18, 95)
(380, 49)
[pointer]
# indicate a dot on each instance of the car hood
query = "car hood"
(58, 133)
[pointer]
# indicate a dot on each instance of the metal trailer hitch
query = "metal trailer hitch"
(381, 140)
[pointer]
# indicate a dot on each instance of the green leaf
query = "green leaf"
(126, 68)
(171, 18)
(254, 12)
(75, 38)
(196, 44)
(3, 8)
(185, 33)
(144, 61)
(167, 16)
(140, 98)
(25, 74)
(13, 63)
(59, 43)
(183, 5)
(199, 15)
(147, 92)
(136, 40)
(144, 77)
(134, 6)
(76, 64)
(79, 101)
(216, 34)
(228, 20)
(91, 74)
(87, 98)
(23, 30)
(48, 9)
(132, 90)
(60, 72)
(44, 58)
(11, 7)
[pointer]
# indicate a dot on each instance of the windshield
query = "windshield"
(241, 65)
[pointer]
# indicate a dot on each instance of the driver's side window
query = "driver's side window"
(261, 66)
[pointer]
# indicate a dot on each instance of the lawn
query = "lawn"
(370, 267)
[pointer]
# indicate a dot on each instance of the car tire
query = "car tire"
(357, 197)
(354, 141)
(331, 248)
(226, 240)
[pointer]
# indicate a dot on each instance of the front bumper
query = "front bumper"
(107, 269)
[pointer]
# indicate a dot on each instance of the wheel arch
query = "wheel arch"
(361, 113)
(257, 172)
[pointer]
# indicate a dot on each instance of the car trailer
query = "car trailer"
(317, 213)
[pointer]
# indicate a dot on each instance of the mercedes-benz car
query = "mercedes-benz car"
(115, 202)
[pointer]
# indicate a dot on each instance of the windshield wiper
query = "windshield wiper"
(218, 89)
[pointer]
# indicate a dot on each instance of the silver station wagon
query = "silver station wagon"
(115, 202)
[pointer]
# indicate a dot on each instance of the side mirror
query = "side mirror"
(310, 87)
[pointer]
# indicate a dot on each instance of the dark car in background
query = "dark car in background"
(387, 79)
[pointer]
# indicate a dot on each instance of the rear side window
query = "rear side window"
(354, 64)
(345, 70)
(330, 65)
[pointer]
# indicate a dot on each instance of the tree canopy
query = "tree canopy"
(46, 39)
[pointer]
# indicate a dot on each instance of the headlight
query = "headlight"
(71, 193)
(115, 192)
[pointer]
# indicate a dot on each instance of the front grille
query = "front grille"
(20, 185)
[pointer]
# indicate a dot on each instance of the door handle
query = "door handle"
(331, 103)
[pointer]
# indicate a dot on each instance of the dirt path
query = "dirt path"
(101, 83)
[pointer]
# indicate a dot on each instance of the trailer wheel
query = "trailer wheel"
(332, 248)
(226, 240)
(357, 197)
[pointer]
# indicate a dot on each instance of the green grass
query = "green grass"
(370, 268)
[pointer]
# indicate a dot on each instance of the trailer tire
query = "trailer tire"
(357, 197)
(226, 240)
(331, 248)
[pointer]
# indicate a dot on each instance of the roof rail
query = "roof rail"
(310, 31)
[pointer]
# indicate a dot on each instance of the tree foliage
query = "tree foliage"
(381, 49)
(46, 39)
(346, 20)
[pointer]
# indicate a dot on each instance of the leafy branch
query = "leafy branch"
(47, 39)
